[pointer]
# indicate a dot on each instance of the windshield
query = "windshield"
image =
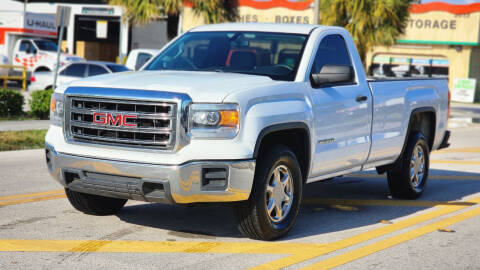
(268, 54)
(46, 45)
(117, 68)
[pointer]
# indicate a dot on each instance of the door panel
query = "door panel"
(342, 128)
(343, 114)
(24, 55)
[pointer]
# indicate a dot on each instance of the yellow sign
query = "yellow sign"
(440, 27)
(252, 15)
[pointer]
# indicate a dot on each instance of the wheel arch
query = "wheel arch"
(295, 135)
(42, 68)
(426, 125)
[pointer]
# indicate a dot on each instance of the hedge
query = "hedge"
(40, 103)
(11, 103)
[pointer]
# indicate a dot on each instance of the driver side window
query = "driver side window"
(331, 51)
(26, 46)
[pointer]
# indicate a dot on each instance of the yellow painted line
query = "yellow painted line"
(459, 150)
(11, 197)
(392, 241)
(369, 202)
(21, 245)
(462, 162)
(365, 236)
(38, 199)
(430, 177)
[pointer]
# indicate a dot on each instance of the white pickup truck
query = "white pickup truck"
(245, 114)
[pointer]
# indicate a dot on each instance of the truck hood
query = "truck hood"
(200, 86)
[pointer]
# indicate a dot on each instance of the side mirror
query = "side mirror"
(332, 74)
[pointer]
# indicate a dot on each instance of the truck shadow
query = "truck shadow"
(210, 222)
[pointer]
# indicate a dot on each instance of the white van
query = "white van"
(39, 54)
(138, 57)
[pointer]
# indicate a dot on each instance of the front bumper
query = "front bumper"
(186, 183)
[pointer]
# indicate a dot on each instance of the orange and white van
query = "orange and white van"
(28, 39)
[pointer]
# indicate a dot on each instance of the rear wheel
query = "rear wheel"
(94, 204)
(407, 178)
(274, 201)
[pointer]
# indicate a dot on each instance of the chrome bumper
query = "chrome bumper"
(149, 182)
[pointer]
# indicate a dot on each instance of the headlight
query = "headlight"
(215, 121)
(56, 109)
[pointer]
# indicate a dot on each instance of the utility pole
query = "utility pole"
(60, 37)
(25, 2)
(316, 7)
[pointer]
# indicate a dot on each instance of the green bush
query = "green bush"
(40, 103)
(11, 103)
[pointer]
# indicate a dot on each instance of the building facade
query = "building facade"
(442, 40)
(264, 11)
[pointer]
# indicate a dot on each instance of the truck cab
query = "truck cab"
(38, 54)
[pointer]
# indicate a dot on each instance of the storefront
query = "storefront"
(441, 41)
(265, 11)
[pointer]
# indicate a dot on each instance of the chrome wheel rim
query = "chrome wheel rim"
(417, 167)
(279, 193)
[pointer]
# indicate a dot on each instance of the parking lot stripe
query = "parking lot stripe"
(366, 236)
(370, 202)
(24, 245)
(463, 162)
(11, 197)
(35, 199)
(459, 150)
(392, 241)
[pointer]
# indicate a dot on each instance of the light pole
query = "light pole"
(60, 38)
(316, 11)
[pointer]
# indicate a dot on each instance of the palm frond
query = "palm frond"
(370, 22)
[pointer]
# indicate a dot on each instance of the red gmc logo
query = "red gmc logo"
(109, 119)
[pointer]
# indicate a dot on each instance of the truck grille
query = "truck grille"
(122, 122)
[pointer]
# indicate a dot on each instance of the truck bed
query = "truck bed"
(394, 101)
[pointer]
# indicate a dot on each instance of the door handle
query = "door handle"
(361, 98)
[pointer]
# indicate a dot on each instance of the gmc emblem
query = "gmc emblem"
(109, 119)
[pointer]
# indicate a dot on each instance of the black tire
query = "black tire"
(399, 176)
(253, 218)
(94, 204)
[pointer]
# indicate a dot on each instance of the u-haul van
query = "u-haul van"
(27, 39)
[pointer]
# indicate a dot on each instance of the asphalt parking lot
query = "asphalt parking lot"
(349, 223)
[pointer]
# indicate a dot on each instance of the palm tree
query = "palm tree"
(144, 11)
(370, 22)
(215, 11)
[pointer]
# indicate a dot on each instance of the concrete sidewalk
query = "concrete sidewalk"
(464, 114)
(24, 125)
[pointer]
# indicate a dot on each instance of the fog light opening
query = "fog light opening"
(214, 178)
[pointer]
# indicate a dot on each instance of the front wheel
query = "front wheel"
(274, 201)
(94, 204)
(408, 177)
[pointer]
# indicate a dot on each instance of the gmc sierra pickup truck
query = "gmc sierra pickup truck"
(245, 114)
